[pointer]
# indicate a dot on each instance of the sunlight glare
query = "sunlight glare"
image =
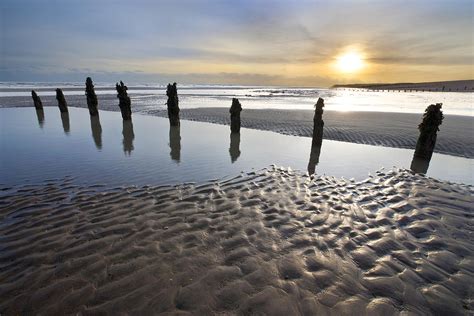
(350, 62)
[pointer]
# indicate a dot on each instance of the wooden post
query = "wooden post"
(318, 123)
(318, 127)
(62, 104)
(235, 110)
(173, 104)
(92, 102)
(124, 101)
(36, 100)
(429, 127)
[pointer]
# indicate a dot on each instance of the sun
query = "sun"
(350, 62)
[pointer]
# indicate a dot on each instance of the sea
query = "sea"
(153, 97)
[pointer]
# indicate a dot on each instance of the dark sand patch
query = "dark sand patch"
(272, 242)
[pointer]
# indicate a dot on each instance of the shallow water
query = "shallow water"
(153, 97)
(147, 151)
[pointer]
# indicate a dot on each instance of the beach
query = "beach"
(271, 242)
(104, 216)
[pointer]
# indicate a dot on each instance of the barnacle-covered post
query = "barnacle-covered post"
(62, 104)
(92, 102)
(235, 110)
(173, 104)
(318, 123)
(124, 101)
(429, 128)
(36, 100)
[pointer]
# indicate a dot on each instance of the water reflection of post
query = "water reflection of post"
(313, 159)
(65, 120)
(420, 165)
(40, 116)
(96, 131)
(175, 143)
(234, 149)
(128, 136)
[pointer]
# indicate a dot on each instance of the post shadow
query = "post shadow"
(65, 121)
(128, 136)
(314, 159)
(40, 116)
(234, 149)
(175, 143)
(96, 131)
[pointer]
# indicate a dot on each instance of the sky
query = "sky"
(259, 42)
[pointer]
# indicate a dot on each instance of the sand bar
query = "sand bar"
(372, 128)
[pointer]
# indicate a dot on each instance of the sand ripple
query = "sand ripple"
(272, 242)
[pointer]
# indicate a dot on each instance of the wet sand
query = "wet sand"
(273, 242)
(398, 130)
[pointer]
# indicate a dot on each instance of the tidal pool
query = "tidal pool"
(39, 146)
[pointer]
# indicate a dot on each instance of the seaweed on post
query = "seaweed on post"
(429, 127)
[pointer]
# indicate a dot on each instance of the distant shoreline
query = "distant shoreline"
(440, 86)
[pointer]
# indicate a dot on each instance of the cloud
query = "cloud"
(272, 41)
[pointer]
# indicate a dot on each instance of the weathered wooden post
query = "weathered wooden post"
(429, 127)
(234, 149)
(173, 104)
(92, 102)
(96, 131)
(234, 111)
(36, 100)
(62, 104)
(175, 143)
(318, 123)
(124, 101)
(317, 141)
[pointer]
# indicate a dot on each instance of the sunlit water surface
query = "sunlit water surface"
(148, 151)
(153, 97)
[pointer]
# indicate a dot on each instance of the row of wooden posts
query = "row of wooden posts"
(429, 127)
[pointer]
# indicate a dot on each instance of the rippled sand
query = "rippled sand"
(274, 242)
